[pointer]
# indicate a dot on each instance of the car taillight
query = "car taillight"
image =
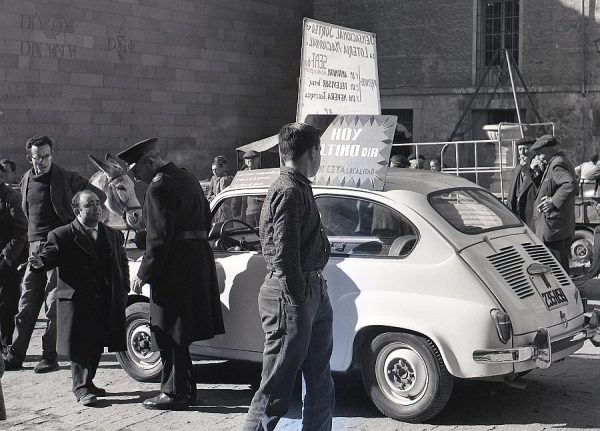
(503, 325)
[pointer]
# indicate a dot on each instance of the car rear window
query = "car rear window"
(472, 211)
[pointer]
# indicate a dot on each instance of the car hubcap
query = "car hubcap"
(581, 251)
(401, 373)
(140, 343)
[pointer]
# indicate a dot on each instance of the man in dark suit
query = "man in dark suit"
(93, 282)
(522, 192)
(554, 215)
(46, 190)
(179, 265)
(13, 252)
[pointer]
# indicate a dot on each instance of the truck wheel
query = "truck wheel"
(582, 249)
(138, 361)
(405, 377)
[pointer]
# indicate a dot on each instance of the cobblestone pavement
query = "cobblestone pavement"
(562, 397)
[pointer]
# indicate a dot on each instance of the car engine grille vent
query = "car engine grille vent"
(540, 254)
(509, 263)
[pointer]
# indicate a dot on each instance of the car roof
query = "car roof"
(423, 181)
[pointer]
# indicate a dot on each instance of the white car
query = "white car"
(430, 279)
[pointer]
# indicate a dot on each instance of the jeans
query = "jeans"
(83, 371)
(297, 337)
(37, 289)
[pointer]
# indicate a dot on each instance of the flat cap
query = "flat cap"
(545, 141)
(132, 154)
(527, 140)
(250, 154)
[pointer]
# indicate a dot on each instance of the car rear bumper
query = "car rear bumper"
(542, 348)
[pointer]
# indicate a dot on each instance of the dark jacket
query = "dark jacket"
(13, 230)
(93, 281)
(521, 197)
(64, 185)
(184, 301)
(560, 184)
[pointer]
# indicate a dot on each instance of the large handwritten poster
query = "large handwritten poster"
(338, 72)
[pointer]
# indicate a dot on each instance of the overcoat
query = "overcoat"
(560, 184)
(178, 262)
(521, 197)
(93, 282)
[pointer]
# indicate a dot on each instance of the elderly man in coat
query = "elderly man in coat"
(522, 192)
(93, 282)
(180, 267)
(554, 213)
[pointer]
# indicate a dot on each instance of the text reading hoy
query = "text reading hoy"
(347, 150)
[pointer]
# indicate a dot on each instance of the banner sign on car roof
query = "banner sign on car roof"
(255, 178)
(338, 71)
(355, 149)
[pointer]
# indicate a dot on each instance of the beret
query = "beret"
(527, 140)
(132, 154)
(545, 141)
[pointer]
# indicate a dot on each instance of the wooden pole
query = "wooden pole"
(537, 114)
(512, 83)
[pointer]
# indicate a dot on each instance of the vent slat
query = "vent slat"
(540, 254)
(509, 264)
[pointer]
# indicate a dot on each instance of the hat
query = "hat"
(545, 141)
(250, 155)
(132, 154)
(527, 140)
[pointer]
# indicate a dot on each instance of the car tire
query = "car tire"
(138, 361)
(405, 377)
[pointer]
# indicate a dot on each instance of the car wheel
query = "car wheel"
(139, 361)
(582, 249)
(405, 377)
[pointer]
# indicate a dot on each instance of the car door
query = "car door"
(241, 271)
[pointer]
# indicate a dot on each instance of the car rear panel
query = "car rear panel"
(545, 300)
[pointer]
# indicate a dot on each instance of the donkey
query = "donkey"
(124, 210)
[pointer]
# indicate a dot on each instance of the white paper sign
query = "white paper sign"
(338, 72)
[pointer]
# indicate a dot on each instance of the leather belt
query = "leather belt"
(190, 234)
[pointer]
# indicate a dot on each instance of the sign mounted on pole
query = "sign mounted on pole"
(355, 149)
(338, 71)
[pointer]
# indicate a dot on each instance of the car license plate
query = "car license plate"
(553, 297)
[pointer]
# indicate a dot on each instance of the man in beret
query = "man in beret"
(251, 160)
(554, 213)
(522, 191)
(179, 265)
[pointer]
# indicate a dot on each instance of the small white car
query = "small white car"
(430, 279)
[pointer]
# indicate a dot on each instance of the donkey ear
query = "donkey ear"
(109, 170)
(113, 161)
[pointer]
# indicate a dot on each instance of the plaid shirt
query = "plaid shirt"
(292, 238)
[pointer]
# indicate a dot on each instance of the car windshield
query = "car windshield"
(472, 211)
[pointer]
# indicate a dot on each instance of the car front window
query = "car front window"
(472, 211)
(235, 223)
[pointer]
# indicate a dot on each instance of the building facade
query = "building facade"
(205, 76)
(433, 55)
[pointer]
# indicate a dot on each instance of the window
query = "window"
(358, 227)
(498, 30)
(243, 208)
(473, 211)
(235, 224)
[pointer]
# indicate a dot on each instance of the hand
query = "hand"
(546, 205)
(524, 160)
(536, 163)
(137, 285)
(35, 261)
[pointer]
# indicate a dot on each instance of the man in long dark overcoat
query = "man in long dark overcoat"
(179, 265)
(522, 191)
(93, 282)
(555, 203)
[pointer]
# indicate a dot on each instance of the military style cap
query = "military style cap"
(250, 154)
(545, 141)
(132, 154)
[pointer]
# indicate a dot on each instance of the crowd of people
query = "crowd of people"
(414, 162)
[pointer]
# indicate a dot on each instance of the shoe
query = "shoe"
(11, 364)
(99, 392)
(166, 402)
(87, 399)
(45, 366)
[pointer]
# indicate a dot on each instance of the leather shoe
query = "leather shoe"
(99, 392)
(11, 364)
(87, 399)
(45, 366)
(166, 402)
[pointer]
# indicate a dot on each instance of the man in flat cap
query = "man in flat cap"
(554, 213)
(251, 160)
(522, 191)
(179, 265)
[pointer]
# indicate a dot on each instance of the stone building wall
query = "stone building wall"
(205, 76)
(427, 63)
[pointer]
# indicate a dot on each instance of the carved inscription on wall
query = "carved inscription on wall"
(121, 44)
(52, 27)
